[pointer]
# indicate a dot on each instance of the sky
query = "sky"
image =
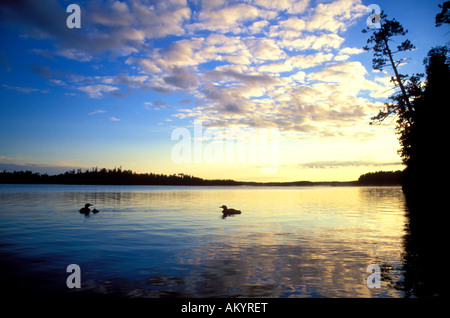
(253, 90)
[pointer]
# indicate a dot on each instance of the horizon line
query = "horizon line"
(181, 176)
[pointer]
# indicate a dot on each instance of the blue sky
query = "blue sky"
(112, 93)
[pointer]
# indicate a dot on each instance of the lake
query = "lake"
(164, 241)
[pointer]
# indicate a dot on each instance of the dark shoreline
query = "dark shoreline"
(237, 184)
(127, 177)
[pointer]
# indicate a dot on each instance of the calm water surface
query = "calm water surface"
(152, 241)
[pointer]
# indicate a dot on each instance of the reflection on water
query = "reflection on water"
(424, 257)
(173, 241)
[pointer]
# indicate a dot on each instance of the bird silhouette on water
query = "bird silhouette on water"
(227, 211)
(86, 209)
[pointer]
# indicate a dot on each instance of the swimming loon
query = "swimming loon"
(229, 211)
(86, 209)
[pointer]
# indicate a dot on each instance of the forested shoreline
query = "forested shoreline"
(117, 176)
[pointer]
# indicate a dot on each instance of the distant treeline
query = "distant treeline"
(382, 178)
(117, 176)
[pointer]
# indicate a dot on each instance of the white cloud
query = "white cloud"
(351, 78)
(161, 18)
(98, 111)
(292, 23)
(300, 76)
(147, 65)
(308, 61)
(96, 91)
(182, 53)
(335, 16)
(264, 49)
(258, 26)
(278, 67)
(228, 18)
(351, 50)
(297, 62)
(341, 57)
(323, 42)
(290, 6)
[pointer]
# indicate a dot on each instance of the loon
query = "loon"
(229, 211)
(86, 209)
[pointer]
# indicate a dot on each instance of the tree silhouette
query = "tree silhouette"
(384, 56)
(424, 143)
(402, 102)
(420, 107)
(384, 178)
(444, 15)
(115, 176)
